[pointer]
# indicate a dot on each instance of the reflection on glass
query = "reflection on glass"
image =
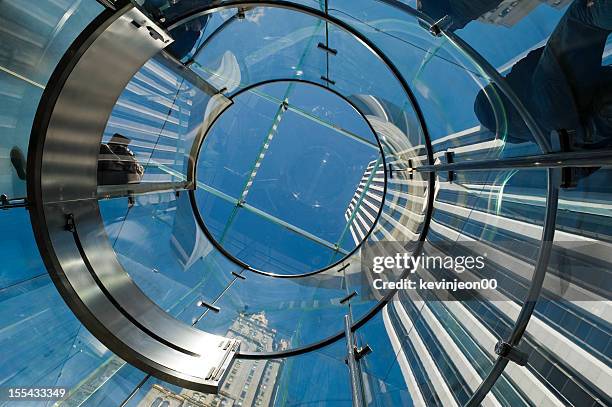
(264, 382)
(287, 50)
(157, 118)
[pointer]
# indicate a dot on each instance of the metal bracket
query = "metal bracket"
(409, 170)
(6, 203)
(156, 32)
(344, 267)
(240, 276)
(351, 361)
(512, 353)
(241, 14)
(359, 353)
(326, 79)
(449, 155)
(156, 35)
(437, 28)
(211, 307)
(327, 49)
(363, 351)
(567, 178)
(112, 4)
(70, 226)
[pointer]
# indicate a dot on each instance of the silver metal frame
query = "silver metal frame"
(70, 233)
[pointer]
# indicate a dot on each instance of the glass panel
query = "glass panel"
(17, 114)
(384, 372)
(301, 311)
(275, 249)
(165, 10)
(481, 124)
(576, 295)
(444, 339)
(35, 36)
(514, 30)
(493, 214)
(106, 387)
(21, 262)
(159, 244)
(269, 43)
(33, 39)
(266, 383)
(33, 312)
(157, 119)
(234, 142)
(426, 350)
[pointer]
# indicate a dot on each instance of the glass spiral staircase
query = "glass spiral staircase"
(276, 143)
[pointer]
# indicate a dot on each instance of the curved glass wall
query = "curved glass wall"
(247, 172)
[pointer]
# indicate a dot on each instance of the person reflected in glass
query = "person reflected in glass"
(562, 84)
(117, 164)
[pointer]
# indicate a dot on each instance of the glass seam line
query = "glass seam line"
(271, 218)
(301, 112)
(253, 209)
(317, 120)
(23, 78)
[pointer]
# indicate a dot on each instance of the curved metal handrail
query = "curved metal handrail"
(65, 215)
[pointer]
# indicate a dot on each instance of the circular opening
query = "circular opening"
(280, 174)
